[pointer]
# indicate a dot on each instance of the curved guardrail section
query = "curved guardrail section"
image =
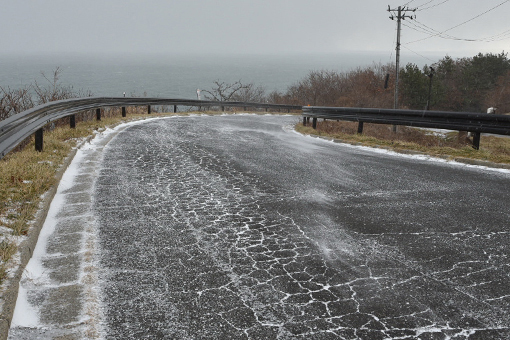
(476, 123)
(16, 128)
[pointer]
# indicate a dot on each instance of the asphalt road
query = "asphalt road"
(236, 227)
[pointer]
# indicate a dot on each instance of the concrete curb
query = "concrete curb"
(26, 248)
(463, 160)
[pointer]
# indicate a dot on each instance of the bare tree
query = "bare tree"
(54, 90)
(14, 101)
(362, 87)
(318, 88)
(225, 91)
(250, 93)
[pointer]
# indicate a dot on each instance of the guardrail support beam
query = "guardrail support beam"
(314, 123)
(123, 111)
(98, 114)
(476, 140)
(360, 127)
(39, 140)
(72, 121)
(148, 109)
(175, 108)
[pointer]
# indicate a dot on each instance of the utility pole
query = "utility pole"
(430, 75)
(401, 15)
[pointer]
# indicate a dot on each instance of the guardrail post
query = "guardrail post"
(72, 121)
(304, 121)
(175, 108)
(314, 123)
(476, 140)
(98, 114)
(360, 127)
(148, 109)
(123, 111)
(39, 140)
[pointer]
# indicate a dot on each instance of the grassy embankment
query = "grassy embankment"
(450, 146)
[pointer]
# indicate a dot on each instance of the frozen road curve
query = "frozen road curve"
(236, 227)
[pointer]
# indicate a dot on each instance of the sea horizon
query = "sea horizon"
(180, 75)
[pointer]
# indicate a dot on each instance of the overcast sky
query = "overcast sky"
(250, 26)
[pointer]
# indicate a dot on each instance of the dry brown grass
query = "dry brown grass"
(493, 149)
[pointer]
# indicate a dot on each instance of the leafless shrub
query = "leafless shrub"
(19, 100)
(250, 93)
(318, 88)
(14, 101)
(223, 91)
(54, 90)
(362, 87)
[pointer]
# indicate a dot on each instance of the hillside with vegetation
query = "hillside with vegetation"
(466, 84)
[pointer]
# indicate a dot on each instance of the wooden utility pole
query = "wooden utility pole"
(400, 15)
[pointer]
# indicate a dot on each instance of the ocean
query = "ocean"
(177, 76)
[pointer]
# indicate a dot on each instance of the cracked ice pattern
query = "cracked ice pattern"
(195, 246)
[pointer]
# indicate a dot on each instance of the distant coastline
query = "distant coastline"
(180, 75)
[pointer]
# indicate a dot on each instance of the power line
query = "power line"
(476, 17)
(432, 6)
(409, 3)
(407, 48)
(501, 36)
(441, 34)
(428, 2)
(422, 28)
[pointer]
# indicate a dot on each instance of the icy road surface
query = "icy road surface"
(236, 227)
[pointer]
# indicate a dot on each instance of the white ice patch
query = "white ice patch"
(25, 315)
(318, 196)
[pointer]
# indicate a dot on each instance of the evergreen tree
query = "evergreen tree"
(413, 87)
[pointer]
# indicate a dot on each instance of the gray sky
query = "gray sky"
(249, 26)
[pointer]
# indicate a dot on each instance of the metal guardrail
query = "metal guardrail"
(475, 123)
(18, 127)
